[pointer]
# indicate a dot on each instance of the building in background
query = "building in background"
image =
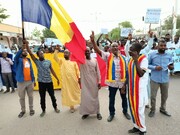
(10, 35)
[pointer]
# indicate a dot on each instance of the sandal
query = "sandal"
(21, 114)
(32, 112)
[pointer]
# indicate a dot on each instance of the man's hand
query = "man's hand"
(99, 86)
(158, 68)
(25, 44)
(171, 66)
(58, 82)
(123, 89)
(134, 55)
(92, 36)
(150, 34)
(34, 84)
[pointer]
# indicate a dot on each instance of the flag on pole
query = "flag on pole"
(52, 15)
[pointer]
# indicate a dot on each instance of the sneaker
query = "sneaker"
(134, 130)
(42, 114)
(151, 114)
(21, 114)
(57, 110)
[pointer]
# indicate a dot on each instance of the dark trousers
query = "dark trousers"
(112, 95)
(8, 80)
(42, 91)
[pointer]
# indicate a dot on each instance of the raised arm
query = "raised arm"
(29, 51)
(96, 48)
(97, 42)
(106, 36)
(18, 54)
(56, 58)
(150, 42)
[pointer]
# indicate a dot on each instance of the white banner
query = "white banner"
(152, 16)
(126, 31)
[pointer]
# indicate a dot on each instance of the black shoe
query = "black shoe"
(84, 116)
(110, 118)
(142, 133)
(99, 117)
(57, 110)
(42, 114)
(151, 114)
(134, 130)
(165, 113)
(32, 112)
(127, 116)
(147, 106)
(21, 114)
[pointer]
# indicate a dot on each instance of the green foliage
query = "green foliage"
(36, 33)
(125, 24)
(48, 33)
(178, 32)
(114, 34)
(168, 23)
(2, 15)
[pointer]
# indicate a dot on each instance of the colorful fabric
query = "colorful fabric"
(52, 15)
(111, 69)
(134, 90)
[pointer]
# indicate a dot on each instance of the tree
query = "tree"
(2, 15)
(168, 23)
(36, 33)
(48, 33)
(114, 34)
(178, 32)
(125, 24)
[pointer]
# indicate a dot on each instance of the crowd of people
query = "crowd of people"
(135, 67)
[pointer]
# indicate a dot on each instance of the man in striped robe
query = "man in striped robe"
(137, 80)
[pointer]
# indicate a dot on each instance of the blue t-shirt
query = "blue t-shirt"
(44, 72)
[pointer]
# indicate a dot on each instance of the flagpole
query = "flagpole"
(23, 33)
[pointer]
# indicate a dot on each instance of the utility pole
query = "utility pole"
(174, 18)
(96, 14)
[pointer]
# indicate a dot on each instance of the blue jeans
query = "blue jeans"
(112, 95)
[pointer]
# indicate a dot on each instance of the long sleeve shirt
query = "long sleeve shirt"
(163, 60)
(6, 65)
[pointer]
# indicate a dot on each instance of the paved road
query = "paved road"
(66, 123)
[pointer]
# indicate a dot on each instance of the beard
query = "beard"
(24, 55)
(161, 50)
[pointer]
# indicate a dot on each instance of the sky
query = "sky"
(97, 14)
